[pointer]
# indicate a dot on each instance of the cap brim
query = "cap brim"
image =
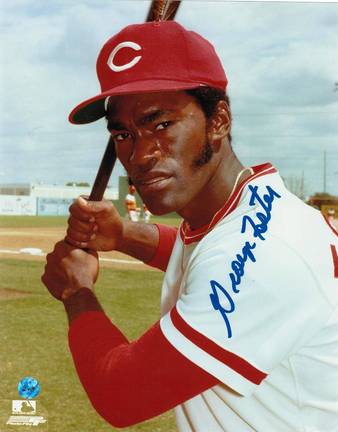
(93, 109)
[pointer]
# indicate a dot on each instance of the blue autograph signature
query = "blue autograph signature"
(259, 227)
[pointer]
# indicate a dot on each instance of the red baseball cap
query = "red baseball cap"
(150, 57)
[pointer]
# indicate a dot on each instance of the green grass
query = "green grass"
(33, 221)
(33, 332)
(61, 221)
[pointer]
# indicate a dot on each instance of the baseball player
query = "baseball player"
(248, 334)
(130, 204)
(146, 214)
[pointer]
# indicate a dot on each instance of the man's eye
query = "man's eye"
(163, 125)
(121, 136)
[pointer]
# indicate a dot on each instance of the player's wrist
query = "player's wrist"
(82, 300)
(69, 292)
(120, 239)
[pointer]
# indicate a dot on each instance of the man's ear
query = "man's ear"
(219, 125)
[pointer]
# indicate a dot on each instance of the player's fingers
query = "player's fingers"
(50, 258)
(102, 207)
(54, 288)
(80, 211)
(52, 276)
(91, 207)
(61, 249)
(93, 252)
(79, 236)
(75, 243)
(84, 227)
(98, 209)
(53, 260)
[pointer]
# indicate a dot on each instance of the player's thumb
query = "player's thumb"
(82, 203)
(89, 207)
(95, 207)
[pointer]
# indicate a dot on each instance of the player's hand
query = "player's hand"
(68, 269)
(96, 225)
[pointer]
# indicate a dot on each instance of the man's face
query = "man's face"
(160, 139)
(131, 189)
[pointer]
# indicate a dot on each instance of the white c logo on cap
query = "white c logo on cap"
(129, 65)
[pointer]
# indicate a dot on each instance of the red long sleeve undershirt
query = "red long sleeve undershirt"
(129, 382)
(167, 238)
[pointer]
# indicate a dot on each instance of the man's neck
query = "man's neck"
(215, 194)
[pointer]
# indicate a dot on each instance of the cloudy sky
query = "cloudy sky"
(281, 59)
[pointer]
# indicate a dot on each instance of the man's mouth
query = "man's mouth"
(153, 180)
(154, 184)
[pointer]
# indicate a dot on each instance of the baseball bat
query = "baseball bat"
(160, 10)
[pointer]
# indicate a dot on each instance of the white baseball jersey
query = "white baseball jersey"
(252, 299)
(130, 203)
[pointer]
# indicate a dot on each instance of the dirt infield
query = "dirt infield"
(8, 294)
(32, 244)
(13, 240)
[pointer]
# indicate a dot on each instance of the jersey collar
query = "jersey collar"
(190, 236)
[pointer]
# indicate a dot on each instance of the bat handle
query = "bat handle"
(103, 175)
(104, 172)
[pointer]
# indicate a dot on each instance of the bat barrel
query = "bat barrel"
(162, 10)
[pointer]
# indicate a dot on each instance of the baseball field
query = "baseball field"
(33, 327)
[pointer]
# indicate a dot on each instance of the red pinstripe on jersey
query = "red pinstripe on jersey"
(335, 260)
(333, 229)
(190, 236)
(235, 362)
(333, 248)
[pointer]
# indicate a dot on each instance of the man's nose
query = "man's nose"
(146, 151)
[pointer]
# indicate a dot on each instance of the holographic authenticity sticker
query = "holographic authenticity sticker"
(29, 388)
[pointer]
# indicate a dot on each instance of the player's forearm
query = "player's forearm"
(151, 244)
(140, 240)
